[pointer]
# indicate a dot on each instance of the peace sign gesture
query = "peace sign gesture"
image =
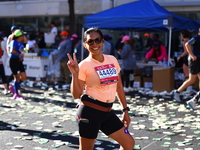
(73, 64)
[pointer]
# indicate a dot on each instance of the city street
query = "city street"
(45, 120)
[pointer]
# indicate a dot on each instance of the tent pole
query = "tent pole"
(169, 46)
(82, 48)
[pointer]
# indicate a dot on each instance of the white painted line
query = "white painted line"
(152, 143)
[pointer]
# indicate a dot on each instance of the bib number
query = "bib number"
(107, 74)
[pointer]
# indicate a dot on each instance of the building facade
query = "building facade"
(36, 15)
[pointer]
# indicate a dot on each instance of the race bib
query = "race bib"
(107, 74)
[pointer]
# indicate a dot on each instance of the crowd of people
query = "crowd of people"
(127, 50)
(104, 70)
(98, 75)
(147, 48)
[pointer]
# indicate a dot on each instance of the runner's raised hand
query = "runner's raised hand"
(73, 64)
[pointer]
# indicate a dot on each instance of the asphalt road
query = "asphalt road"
(45, 120)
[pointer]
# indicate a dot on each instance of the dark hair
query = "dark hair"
(53, 23)
(31, 37)
(156, 53)
(106, 37)
(155, 36)
(130, 42)
(90, 30)
(185, 34)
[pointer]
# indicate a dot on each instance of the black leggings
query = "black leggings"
(127, 78)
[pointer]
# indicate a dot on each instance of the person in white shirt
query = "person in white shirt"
(2, 71)
(31, 44)
(54, 29)
(3, 47)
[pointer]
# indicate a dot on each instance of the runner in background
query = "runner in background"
(192, 47)
(185, 36)
(16, 62)
(12, 29)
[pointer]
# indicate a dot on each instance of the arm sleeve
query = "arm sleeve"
(163, 53)
(149, 54)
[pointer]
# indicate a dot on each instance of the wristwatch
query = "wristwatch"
(127, 108)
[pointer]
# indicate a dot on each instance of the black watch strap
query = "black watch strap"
(127, 108)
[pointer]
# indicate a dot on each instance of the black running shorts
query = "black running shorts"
(91, 120)
(194, 66)
(16, 66)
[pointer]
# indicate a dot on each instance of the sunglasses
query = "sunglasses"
(97, 41)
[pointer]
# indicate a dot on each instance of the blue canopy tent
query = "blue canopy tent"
(142, 15)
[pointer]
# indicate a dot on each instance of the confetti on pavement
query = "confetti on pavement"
(46, 120)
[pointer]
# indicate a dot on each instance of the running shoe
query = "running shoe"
(126, 89)
(6, 91)
(17, 96)
(191, 104)
(176, 96)
(131, 89)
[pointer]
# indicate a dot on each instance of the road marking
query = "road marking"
(152, 143)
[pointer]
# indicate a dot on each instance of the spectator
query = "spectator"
(155, 37)
(138, 47)
(150, 40)
(157, 52)
(31, 44)
(108, 38)
(3, 47)
(2, 71)
(41, 42)
(119, 45)
(147, 42)
(106, 48)
(76, 46)
(54, 29)
(64, 48)
(128, 63)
